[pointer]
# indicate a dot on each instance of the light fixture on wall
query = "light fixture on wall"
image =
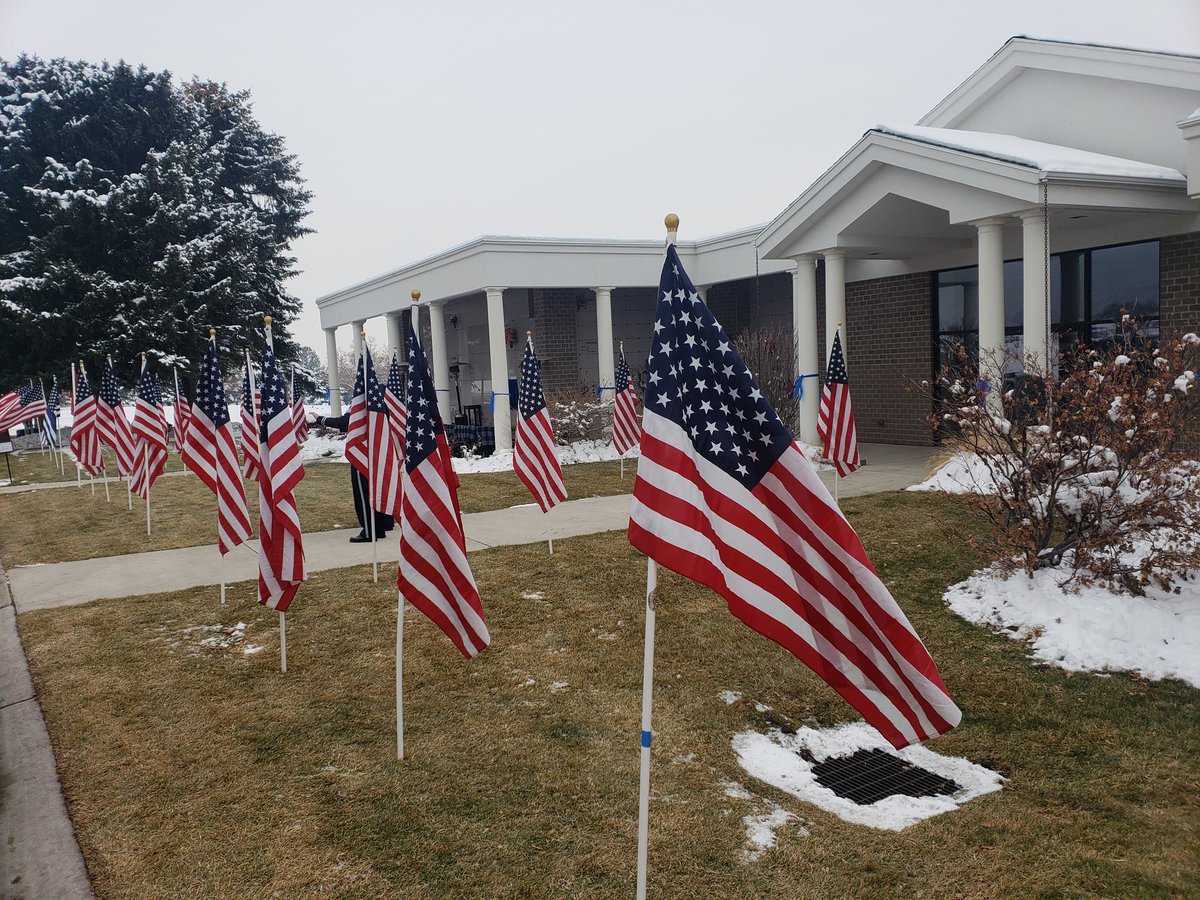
(454, 321)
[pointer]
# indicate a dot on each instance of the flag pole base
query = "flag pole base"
(400, 678)
(647, 703)
(283, 643)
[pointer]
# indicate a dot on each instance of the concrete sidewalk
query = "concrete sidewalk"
(43, 586)
(39, 856)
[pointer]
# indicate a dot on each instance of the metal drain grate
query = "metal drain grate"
(871, 775)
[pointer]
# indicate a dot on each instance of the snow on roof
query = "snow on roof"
(1051, 159)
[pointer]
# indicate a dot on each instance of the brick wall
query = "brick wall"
(1179, 283)
(555, 313)
(888, 349)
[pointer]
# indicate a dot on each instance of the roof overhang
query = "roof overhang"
(1145, 66)
(940, 171)
(533, 262)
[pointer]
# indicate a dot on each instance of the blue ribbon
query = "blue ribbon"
(798, 390)
(601, 390)
(645, 739)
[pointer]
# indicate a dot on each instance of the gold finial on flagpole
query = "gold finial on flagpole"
(267, 320)
(672, 222)
(212, 332)
(363, 333)
(529, 335)
(416, 295)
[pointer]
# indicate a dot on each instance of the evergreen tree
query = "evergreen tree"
(135, 212)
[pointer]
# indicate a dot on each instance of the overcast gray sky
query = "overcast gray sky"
(420, 126)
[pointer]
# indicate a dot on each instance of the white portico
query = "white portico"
(481, 296)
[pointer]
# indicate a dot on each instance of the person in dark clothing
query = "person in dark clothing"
(358, 485)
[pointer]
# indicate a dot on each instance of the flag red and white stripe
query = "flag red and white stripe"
(210, 451)
(281, 542)
(149, 429)
(299, 417)
(627, 430)
(393, 399)
(250, 412)
(85, 442)
(111, 424)
(183, 415)
(835, 419)
(369, 439)
(535, 459)
(434, 574)
(725, 497)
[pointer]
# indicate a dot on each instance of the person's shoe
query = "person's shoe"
(360, 538)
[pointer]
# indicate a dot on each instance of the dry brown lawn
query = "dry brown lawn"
(195, 770)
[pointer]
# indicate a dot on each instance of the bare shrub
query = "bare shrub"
(1089, 469)
(576, 415)
(767, 353)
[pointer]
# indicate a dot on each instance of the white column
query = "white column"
(331, 363)
(441, 365)
(501, 415)
(702, 290)
(835, 299)
(604, 343)
(395, 339)
(1035, 320)
(807, 350)
(991, 302)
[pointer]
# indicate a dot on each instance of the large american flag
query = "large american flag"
(434, 574)
(369, 439)
(725, 497)
(183, 415)
(835, 420)
(150, 433)
(8, 402)
(85, 442)
(281, 544)
(111, 423)
(393, 398)
(209, 450)
(299, 418)
(250, 426)
(28, 405)
(627, 430)
(534, 458)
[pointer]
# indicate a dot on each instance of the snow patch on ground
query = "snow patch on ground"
(1094, 630)
(963, 473)
(730, 697)
(195, 638)
(559, 686)
(760, 830)
(533, 595)
(776, 759)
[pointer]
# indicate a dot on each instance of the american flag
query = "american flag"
(434, 574)
(209, 450)
(250, 427)
(29, 405)
(281, 553)
(50, 417)
(85, 442)
(725, 497)
(7, 403)
(150, 432)
(112, 424)
(369, 439)
(299, 419)
(183, 415)
(835, 421)
(627, 430)
(393, 397)
(534, 458)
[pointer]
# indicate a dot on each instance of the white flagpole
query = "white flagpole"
(400, 677)
(370, 516)
(615, 413)
(672, 223)
(283, 643)
(261, 469)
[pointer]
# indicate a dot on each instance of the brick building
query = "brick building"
(1056, 186)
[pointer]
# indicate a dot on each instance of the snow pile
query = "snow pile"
(729, 697)
(1094, 630)
(326, 447)
(214, 637)
(963, 473)
(761, 827)
(779, 760)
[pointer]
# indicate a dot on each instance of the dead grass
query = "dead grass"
(192, 771)
(59, 524)
(36, 467)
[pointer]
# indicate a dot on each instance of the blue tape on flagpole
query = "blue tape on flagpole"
(645, 739)
(798, 390)
(600, 390)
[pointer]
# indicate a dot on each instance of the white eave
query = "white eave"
(1144, 65)
(971, 175)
